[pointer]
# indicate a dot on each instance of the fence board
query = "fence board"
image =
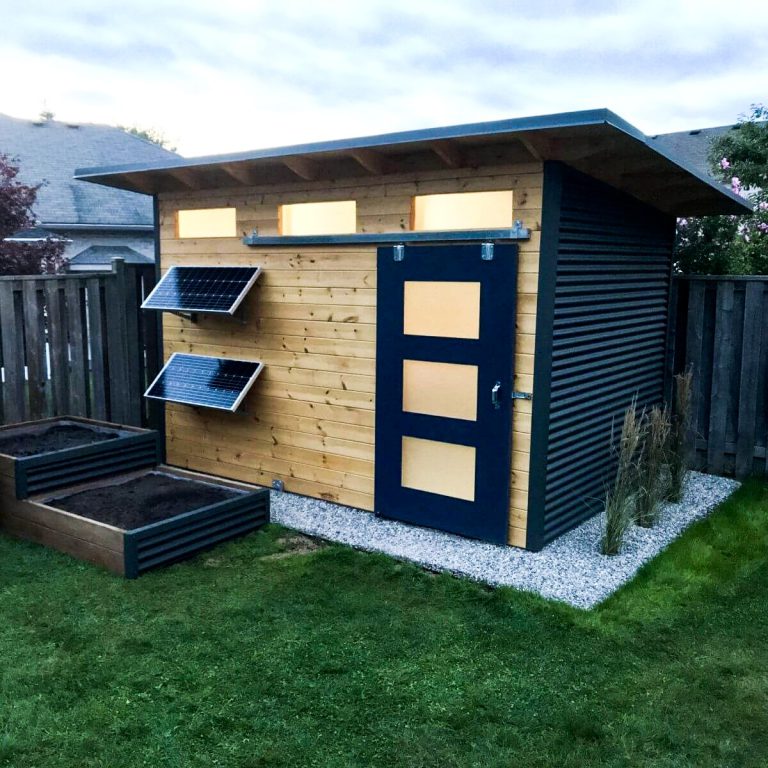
(65, 345)
(723, 324)
(12, 329)
(59, 354)
(96, 348)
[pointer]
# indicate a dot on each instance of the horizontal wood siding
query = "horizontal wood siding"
(311, 319)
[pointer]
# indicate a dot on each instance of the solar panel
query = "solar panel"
(202, 289)
(210, 382)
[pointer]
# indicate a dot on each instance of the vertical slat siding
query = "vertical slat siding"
(311, 320)
(64, 347)
(609, 332)
(723, 325)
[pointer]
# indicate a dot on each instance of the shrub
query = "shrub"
(653, 475)
(621, 500)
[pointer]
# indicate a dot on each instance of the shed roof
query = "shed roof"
(597, 142)
(50, 151)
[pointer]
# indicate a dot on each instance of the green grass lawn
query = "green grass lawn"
(256, 655)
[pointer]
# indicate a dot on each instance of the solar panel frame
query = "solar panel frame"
(197, 403)
(169, 276)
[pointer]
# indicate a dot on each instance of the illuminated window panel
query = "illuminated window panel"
(440, 389)
(463, 210)
(332, 218)
(447, 309)
(206, 222)
(446, 469)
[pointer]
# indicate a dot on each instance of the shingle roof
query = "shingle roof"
(103, 254)
(692, 147)
(35, 233)
(51, 150)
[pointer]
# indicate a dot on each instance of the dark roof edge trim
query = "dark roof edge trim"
(517, 124)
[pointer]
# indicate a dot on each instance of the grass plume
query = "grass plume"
(621, 500)
(653, 475)
(677, 445)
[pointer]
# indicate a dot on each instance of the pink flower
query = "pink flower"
(763, 227)
(724, 164)
(763, 205)
(736, 184)
(683, 222)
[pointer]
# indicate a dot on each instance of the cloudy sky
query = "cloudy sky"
(226, 75)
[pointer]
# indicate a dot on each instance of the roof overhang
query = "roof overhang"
(597, 142)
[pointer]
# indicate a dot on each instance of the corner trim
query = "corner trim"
(542, 368)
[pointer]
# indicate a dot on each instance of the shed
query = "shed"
(451, 321)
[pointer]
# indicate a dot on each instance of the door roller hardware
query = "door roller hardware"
(522, 396)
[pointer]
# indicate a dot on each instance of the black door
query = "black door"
(445, 350)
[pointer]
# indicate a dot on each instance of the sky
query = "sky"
(219, 76)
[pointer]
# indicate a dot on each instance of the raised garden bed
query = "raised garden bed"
(138, 521)
(40, 456)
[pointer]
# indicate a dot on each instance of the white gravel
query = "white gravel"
(570, 569)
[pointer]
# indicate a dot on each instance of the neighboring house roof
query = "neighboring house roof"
(598, 142)
(33, 235)
(103, 254)
(49, 150)
(692, 146)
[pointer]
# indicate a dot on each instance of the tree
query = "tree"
(149, 134)
(733, 244)
(16, 202)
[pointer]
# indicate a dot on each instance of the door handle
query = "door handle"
(495, 389)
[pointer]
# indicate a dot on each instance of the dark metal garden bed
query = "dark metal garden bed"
(92, 449)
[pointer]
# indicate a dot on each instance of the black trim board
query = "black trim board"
(156, 408)
(542, 368)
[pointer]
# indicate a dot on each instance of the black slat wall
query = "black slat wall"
(604, 306)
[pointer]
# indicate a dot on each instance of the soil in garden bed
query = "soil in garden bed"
(143, 500)
(55, 438)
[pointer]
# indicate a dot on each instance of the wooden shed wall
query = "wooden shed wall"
(311, 320)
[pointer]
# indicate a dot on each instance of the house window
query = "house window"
(331, 218)
(463, 210)
(206, 222)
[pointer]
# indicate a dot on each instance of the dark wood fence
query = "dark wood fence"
(78, 345)
(720, 330)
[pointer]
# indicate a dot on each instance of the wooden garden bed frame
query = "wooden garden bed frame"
(131, 553)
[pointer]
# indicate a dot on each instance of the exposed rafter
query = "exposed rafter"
(304, 167)
(373, 162)
(140, 183)
(238, 172)
(186, 176)
(449, 152)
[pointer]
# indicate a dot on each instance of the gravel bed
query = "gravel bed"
(570, 569)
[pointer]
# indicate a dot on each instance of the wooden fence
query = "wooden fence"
(78, 345)
(720, 330)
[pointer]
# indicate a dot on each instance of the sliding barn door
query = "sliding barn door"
(445, 338)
